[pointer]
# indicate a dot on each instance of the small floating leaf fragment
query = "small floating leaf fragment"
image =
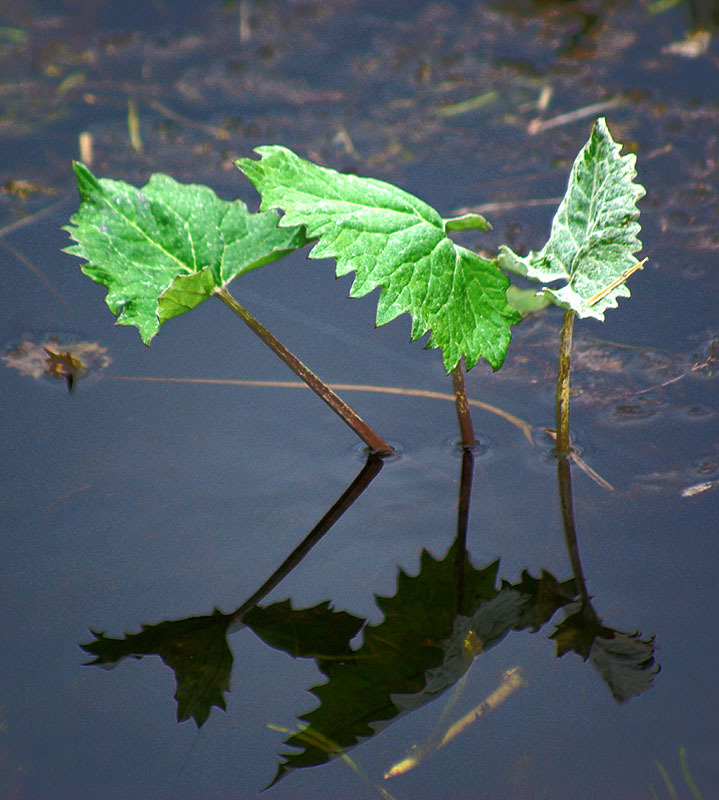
(698, 488)
(54, 359)
(464, 106)
(695, 44)
(63, 365)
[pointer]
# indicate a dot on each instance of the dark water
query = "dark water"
(133, 502)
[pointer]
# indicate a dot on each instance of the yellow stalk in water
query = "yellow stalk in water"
(511, 681)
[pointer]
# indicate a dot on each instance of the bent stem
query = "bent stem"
(462, 404)
(565, 350)
(375, 442)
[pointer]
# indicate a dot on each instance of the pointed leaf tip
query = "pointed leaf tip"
(87, 183)
(163, 249)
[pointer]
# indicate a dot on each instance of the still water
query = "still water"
(162, 487)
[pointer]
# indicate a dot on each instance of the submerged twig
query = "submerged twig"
(213, 130)
(616, 282)
(39, 274)
(518, 422)
(21, 223)
(538, 125)
(511, 681)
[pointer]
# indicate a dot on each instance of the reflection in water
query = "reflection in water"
(196, 648)
(625, 661)
(511, 681)
(433, 628)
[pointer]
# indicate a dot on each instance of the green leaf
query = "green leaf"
(467, 222)
(196, 649)
(395, 241)
(594, 232)
(164, 249)
(527, 301)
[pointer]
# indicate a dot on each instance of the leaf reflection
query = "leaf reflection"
(433, 627)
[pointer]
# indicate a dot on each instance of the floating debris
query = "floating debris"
(54, 359)
(698, 488)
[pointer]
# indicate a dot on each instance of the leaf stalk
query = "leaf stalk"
(565, 350)
(374, 442)
(464, 417)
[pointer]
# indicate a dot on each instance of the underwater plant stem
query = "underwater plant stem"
(375, 442)
(365, 476)
(461, 403)
(565, 350)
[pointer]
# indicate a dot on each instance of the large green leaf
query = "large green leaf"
(594, 232)
(393, 240)
(164, 249)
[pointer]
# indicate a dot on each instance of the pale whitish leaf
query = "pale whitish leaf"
(626, 663)
(594, 232)
(394, 241)
(163, 249)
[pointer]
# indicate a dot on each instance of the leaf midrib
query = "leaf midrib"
(136, 227)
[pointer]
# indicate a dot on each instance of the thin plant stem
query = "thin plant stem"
(375, 442)
(465, 493)
(366, 475)
(462, 404)
(566, 502)
(565, 351)
(563, 452)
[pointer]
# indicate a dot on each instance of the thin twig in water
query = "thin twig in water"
(39, 274)
(538, 125)
(21, 223)
(510, 205)
(518, 422)
(218, 133)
